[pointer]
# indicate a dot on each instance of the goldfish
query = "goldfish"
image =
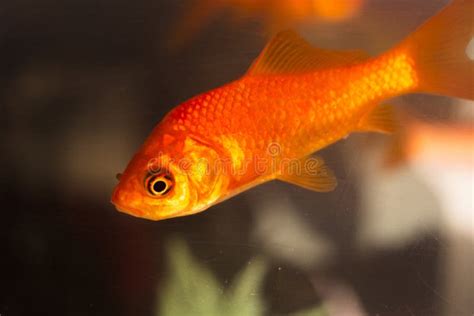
(294, 100)
(275, 13)
(424, 142)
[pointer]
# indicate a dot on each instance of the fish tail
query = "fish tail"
(440, 51)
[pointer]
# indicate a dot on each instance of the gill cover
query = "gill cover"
(206, 173)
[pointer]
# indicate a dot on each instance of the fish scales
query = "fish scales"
(301, 113)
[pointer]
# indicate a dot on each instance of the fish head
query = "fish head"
(170, 177)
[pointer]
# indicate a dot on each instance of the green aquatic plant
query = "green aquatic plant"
(192, 289)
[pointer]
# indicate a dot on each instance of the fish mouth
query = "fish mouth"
(119, 200)
(123, 207)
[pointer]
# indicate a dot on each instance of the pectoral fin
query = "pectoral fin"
(310, 173)
(382, 120)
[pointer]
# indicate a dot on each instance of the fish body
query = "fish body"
(294, 100)
(301, 113)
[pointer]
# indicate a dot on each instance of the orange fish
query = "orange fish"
(294, 100)
(438, 144)
(275, 13)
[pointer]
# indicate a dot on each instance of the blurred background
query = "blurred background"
(83, 82)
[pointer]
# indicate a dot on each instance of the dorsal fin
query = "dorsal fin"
(288, 53)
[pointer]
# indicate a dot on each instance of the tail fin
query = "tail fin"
(439, 50)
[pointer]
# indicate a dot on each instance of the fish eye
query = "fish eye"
(159, 184)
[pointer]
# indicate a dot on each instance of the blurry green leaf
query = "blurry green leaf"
(244, 297)
(191, 289)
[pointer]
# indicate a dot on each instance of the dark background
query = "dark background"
(81, 85)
